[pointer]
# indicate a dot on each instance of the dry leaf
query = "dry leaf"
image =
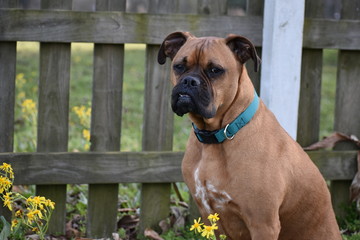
(330, 142)
(152, 234)
(72, 227)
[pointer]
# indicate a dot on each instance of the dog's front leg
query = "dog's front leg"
(264, 226)
(265, 232)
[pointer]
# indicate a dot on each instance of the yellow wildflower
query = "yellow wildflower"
(21, 95)
(28, 106)
(14, 223)
(6, 167)
(197, 226)
(213, 217)
(39, 200)
(208, 231)
(20, 80)
(31, 216)
(5, 184)
(86, 146)
(50, 204)
(86, 134)
(88, 112)
(38, 212)
(19, 213)
(8, 200)
(35, 229)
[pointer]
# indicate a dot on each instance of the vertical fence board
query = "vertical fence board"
(105, 126)
(212, 7)
(310, 89)
(255, 8)
(157, 136)
(53, 112)
(310, 95)
(53, 118)
(7, 97)
(158, 128)
(347, 108)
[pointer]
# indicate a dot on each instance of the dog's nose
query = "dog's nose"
(190, 81)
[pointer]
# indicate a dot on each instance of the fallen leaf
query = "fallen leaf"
(72, 227)
(332, 140)
(152, 234)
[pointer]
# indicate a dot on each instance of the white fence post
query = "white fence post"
(281, 60)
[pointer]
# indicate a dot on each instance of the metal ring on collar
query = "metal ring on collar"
(225, 134)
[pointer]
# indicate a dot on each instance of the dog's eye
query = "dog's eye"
(215, 71)
(179, 68)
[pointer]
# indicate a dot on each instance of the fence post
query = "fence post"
(105, 126)
(281, 55)
(310, 88)
(347, 108)
(53, 112)
(7, 97)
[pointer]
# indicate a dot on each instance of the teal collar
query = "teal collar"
(229, 131)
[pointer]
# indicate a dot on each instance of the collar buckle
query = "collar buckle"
(225, 133)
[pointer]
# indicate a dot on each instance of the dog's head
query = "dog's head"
(205, 71)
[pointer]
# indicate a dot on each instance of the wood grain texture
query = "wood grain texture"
(101, 27)
(158, 127)
(310, 89)
(53, 108)
(95, 167)
(53, 115)
(7, 97)
(129, 167)
(347, 109)
(310, 96)
(105, 126)
(158, 116)
(347, 106)
(118, 27)
(9, 3)
(53, 112)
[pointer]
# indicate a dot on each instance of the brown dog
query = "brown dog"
(239, 161)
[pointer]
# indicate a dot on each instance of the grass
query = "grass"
(328, 92)
(132, 115)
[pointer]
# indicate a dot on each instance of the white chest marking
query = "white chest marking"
(209, 193)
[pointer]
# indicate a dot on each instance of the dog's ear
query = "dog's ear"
(243, 49)
(171, 45)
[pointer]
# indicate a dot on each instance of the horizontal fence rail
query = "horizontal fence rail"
(146, 167)
(120, 27)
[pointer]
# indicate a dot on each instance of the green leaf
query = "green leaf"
(6, 231)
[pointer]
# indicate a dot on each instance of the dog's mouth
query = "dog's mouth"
(183, 102)
(183, 97)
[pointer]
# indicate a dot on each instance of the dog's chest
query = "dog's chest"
(208, 193)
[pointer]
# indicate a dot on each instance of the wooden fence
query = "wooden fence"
(328, 24)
